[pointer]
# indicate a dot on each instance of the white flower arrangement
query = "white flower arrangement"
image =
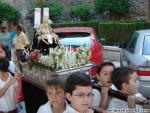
(65, 58)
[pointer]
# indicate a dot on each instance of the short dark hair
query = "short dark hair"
(4, 64)
(121, 75)
(19, 27)
(77, 79)
(15, 23)
(3, 29)
(55, 82)
(100, 67)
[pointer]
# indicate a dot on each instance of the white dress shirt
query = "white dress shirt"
(46, 108)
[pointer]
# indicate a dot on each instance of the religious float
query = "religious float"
(49, 57)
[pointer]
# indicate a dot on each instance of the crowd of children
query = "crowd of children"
(78, 96)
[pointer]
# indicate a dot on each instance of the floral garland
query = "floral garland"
(60, 58)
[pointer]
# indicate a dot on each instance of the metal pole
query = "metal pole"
(41, 6)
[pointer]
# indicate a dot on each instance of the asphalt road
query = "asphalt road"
(112, 53)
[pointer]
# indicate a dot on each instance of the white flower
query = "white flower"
(65, 58)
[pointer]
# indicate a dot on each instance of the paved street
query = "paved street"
(112, 53)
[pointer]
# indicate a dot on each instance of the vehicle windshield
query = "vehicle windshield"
(75, 39)
(146, 46)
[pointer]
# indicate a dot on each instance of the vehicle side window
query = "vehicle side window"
(146, 46)
(132, 43)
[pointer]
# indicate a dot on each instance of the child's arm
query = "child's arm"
(8, 84)
(104, 97)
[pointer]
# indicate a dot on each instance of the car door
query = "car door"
(128, 56)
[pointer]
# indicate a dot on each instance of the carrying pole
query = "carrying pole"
(41, 6)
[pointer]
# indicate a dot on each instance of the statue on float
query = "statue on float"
(45, 38)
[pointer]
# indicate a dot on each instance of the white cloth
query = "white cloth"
(138, 95)
(96, 98)
(11, 66)
(8, 100)
(113, 87)
(117, 104)
(46, 108)
(50, 41)
(70, 110)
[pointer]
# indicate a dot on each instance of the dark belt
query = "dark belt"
(12, 111)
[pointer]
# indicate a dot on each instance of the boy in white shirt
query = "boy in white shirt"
(79, 93)
(56, 97)
(103, 78)
(125, 80)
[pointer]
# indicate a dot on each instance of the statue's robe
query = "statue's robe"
(42, 46)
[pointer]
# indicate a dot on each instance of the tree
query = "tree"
(55, 9)
(120, 7)
(80, 11)
(100, 6)
(8, 13)
(117, 7)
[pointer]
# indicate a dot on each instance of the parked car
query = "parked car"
(136, 54)
(77, 36)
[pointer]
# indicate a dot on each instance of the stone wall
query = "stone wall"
(140, 9)
(23, 6)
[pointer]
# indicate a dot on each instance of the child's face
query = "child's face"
(133, 85)
(56, 96)
(105, 75)
(2, 53)
(80, 98)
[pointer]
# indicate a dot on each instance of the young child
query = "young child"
(125, 80)
(8, 86)
(79, 93)
(19, 97)
(56, 97)
(103, 78)
(20, 42)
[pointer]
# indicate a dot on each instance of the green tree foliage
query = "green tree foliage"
(7, 12)
(80, 11)
(55, 9)
(100, 6)
(118, 7)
